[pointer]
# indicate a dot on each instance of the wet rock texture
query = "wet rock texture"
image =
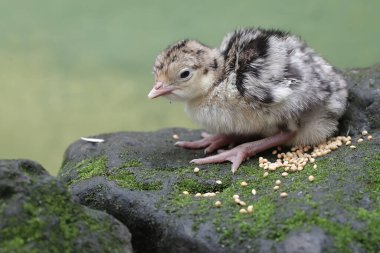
(139, 178)
(37, 214)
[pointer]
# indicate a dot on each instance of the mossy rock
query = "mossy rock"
(140, 178)
(38, 214)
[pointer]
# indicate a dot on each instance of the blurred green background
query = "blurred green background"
(78, 68)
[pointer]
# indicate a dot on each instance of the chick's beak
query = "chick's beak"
(159, 89)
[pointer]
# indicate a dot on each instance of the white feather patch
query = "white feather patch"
(95, 140)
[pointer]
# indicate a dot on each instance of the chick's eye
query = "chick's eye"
(184, 74)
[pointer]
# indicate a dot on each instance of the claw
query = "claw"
(178, 143)
(205, 135)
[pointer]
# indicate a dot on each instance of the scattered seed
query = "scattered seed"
(360, 140)
(185, 193)
(311, 178)
(243, 184)
(250, 209)
(243, 210)
(278, 182)
(315, 166)
(254, 192)
(364, 132)
(175, 136)
(218, 182)
(196, 170)
(274, 152)
(285, 174)
(272, 166)
(283, 194)
(198, 194)
(218, 204)
(312, 160)
(266, 173)
(348, 143)
(236, 196)
(352, 146)
(242, 203)
(276, 187)
(369, 137)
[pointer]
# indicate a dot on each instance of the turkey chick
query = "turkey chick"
(259, 82)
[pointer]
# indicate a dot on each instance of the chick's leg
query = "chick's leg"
(240, 153)
(209, 142)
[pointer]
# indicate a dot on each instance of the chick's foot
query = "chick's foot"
(209, 142)
(242, 152)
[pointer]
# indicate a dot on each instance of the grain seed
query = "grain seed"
(285, 174)
(243, 184)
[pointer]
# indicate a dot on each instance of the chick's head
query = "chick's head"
(181, 72)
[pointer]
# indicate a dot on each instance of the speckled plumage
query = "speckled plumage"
(258, 82)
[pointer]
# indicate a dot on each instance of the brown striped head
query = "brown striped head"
(181, 69)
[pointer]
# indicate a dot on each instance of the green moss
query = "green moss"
(198, 185)
(127, 179)
(97, 167)
(50, 222)
(132, 163)
(373, 177)
(343, 235)
(90, 168)
(370, 236)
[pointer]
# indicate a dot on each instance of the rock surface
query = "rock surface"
(140, 179)
(363, 110)
(37, 214)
